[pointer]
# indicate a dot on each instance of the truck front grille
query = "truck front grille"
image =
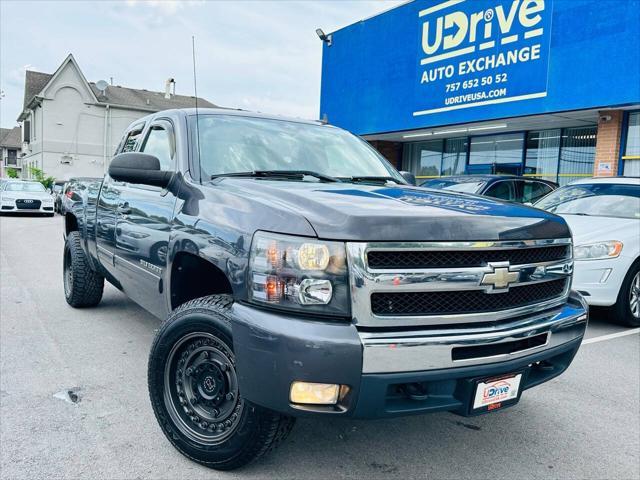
(464, 302)
(414, 259)
(397, 284)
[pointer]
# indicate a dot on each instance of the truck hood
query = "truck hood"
(357, 212)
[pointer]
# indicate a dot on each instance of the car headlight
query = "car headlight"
(299, 273)
(597, 251)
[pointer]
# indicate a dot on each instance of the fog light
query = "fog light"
(314, 393)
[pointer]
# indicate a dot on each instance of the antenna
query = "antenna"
(102, 86)
(195, 91)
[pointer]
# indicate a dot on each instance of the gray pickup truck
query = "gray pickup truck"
(299, 274)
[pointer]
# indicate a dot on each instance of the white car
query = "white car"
(604, 216)
(25, 197)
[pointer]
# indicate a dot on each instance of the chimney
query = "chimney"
(167, 88)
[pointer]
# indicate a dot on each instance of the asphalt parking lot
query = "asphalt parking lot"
(585, 424)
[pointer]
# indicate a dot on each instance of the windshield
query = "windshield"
(230, 144)
(614, 200)
(24, 187)
(455, 186)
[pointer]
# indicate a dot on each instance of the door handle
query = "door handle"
(124, 208)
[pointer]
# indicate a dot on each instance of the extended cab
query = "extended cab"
(298, 273)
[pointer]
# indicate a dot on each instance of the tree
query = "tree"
(12, 173)
(39, 175)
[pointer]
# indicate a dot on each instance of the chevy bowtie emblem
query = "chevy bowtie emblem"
(500, 278)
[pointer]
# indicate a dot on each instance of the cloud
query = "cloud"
(260, 55)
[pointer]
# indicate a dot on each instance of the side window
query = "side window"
(159, 142)
(503, 190)
(130, 142)
(532, 191)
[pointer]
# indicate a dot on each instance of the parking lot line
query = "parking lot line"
(611, 336)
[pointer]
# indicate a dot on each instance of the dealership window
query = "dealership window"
(631, 155)
(577, 154)
(494, 151)
(424, 159)
(543, 150)
(454, 158)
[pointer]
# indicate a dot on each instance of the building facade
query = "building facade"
(545, 88)
(10, 149)
(71, 127)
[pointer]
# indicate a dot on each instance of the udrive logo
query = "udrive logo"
(458, 32)
(498, 389)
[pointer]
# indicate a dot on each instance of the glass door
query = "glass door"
(496, 154)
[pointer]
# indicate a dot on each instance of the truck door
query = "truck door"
(143, 226)
(107, 205)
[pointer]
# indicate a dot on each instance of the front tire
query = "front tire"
(194, 390)
(83, 287)
(627, 307)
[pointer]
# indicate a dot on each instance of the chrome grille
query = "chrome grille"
(456, 283)
(387, 260)
(472, 301)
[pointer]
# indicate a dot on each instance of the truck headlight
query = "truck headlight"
(597, 251)
(299, 273)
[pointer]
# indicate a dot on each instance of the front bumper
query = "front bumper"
(10, 207)
(599, 281)
(273, 350)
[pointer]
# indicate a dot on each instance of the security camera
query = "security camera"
(328, 39)
(605, 118)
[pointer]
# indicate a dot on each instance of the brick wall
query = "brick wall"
(392, 151)
(608, 143)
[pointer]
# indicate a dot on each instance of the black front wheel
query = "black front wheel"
(195, 394)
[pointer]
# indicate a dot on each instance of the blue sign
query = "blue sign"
(482, 52)
(445, 62)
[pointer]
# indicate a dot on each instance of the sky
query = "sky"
(257, 55)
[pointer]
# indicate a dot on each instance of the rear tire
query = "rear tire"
(83, 287)
(194, 390)
(627, 308)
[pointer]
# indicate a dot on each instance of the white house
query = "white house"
(71, 127)
(10, 148)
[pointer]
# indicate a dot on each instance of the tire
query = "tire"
(622, 310)
(83, 287)
(192, 356)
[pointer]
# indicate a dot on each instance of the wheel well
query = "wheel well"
(193, 277)
(70, 223)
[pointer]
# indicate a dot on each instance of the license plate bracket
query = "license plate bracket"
(495, 393)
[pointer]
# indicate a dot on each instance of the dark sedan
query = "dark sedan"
(504, 187)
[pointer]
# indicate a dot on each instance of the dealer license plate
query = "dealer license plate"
(495, 392)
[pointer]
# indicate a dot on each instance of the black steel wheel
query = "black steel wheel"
(195, 393)
(201, 388)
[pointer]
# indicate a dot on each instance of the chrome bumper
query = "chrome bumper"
(432, 349)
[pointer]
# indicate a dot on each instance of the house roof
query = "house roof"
(34, 83)
(145, 99)
(139, 99)
(11, 137)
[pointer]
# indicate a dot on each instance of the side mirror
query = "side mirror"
(409, 177)
(133, 167)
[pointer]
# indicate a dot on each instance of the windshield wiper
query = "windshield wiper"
(288, 174)
(359, 179)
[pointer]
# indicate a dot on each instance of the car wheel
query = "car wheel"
(193, 386)
(83, 287)
(627, 307)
